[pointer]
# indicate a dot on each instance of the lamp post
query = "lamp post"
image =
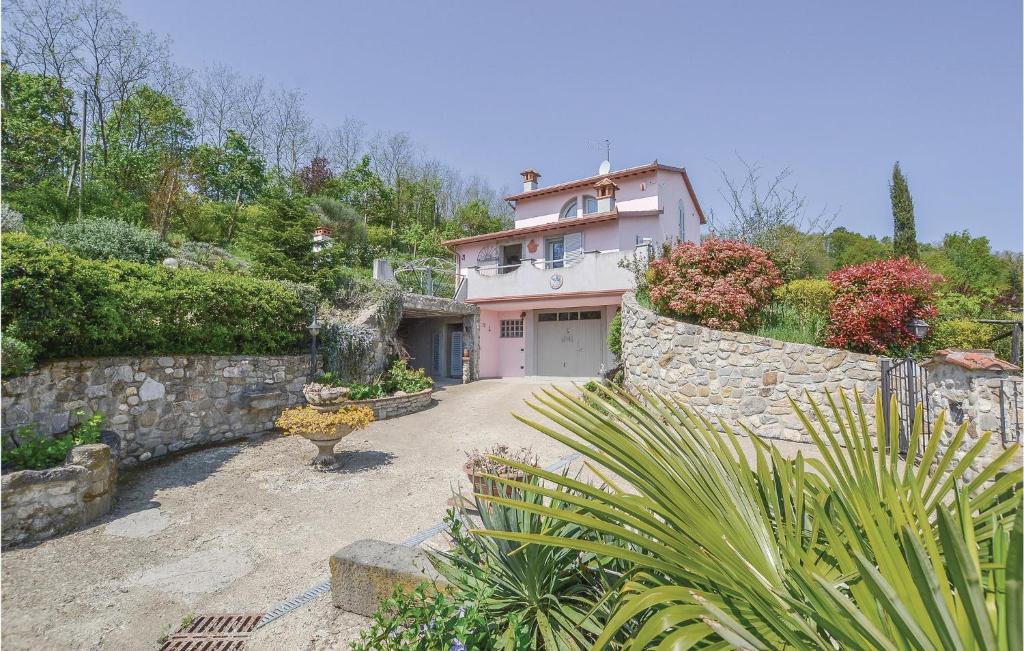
(314, 330)
(919, 328)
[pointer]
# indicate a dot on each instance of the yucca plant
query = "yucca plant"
(856, 550)
(535, 596)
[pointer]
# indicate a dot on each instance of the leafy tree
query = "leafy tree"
(968, 264)
(279, 240)
(904, 238)
(475, 218)
(847, 248)
(348, 225)
(36, 143)
(147, 140)
(315, 177)
(361, 188)
(231, 172)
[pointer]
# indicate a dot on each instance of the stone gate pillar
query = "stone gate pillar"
(976, 387)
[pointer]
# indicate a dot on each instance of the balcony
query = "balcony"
(591, 271)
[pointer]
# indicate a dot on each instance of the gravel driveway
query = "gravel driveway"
(244, 526)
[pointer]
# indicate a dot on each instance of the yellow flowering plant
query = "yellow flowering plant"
(312, 421)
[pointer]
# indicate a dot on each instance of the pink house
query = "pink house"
(548, 288)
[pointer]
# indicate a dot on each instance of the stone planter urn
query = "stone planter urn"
(324, 427)
(320, 395)
(325, 445)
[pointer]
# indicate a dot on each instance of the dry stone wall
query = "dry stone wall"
(736, 376)
(397, 405)
(39, 504)
(158, 405)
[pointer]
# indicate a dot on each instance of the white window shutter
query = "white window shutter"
(573, 248)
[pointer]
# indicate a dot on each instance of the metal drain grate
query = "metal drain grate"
(214, 633)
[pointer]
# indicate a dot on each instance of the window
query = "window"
(511, 329)
(568, 211)
(555, 253)
(589, 205)
(589, 315)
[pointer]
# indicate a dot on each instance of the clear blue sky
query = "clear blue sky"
(837, 91)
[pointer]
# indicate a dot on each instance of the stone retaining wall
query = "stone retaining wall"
(39, 504)
(737, 376)
(397, 405)
(158, 405)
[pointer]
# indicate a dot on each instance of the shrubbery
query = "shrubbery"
(961, 333)
(16, 357)
(31, 451)
(809, 296)
(874, 302)
(720, 283)
(106, 239)
(615, 335)
(67, 306)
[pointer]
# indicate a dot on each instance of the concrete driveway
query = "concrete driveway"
(245, 526)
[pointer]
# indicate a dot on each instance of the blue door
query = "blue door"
(456, 354)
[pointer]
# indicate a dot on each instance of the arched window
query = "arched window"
(569, 211)
(589, 205)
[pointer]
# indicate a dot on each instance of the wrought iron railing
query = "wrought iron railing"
(428, 276)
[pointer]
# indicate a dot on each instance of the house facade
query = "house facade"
(548, 288)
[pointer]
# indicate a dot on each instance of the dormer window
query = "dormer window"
(589, 205)
(569, 211)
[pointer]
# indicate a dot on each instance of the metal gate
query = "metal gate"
(908, 382)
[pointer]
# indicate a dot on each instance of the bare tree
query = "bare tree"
(760, 211)
(215, 103)
(392, 155)
(115, 58)
(289, 130)
(39, 36)
(346, 144)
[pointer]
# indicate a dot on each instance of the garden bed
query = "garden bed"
(397, 405)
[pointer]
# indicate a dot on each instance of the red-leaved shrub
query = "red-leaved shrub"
(874, 301)
(720, 283)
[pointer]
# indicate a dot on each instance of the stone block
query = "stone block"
(151, 390)
(366, 572)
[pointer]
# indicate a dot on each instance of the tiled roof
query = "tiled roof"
(620, 174)
(564, 224)
(973, 359)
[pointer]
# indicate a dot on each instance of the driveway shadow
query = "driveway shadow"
(351, 462)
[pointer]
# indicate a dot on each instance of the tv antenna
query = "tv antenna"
(605, 144)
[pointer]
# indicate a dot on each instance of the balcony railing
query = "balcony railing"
(586, 272)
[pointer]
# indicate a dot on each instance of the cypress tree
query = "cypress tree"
(904, 236)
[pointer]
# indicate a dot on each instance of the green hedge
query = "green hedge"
(66, 306)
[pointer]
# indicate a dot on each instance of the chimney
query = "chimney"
(530, 177)
(605, 194)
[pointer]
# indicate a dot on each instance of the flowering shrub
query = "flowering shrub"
(720, 283)
(312, 421)
(875, 300)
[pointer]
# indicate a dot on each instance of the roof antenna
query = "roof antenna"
(606, 165)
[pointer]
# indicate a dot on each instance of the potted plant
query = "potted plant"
(479, 464)
(324, 429)
(326, 391)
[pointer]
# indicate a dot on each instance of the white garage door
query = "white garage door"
(570, 343)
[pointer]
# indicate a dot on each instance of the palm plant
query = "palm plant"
(858, 549)
(535, 596)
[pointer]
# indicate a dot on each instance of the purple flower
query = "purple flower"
(457, 645)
